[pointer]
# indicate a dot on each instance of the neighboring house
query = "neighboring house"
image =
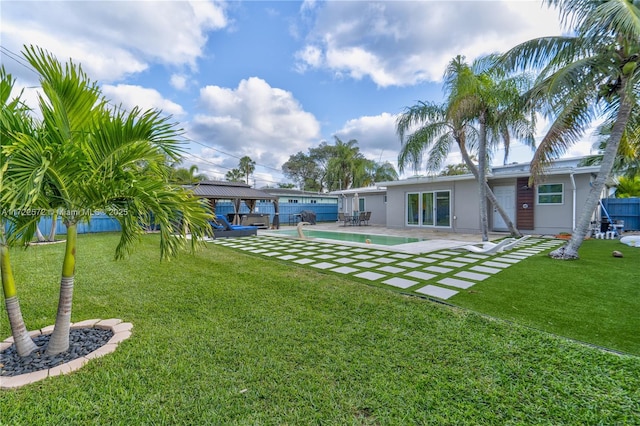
(450, 203)
(367, 199)
(293, 201)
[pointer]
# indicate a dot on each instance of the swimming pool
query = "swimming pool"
(384, 240)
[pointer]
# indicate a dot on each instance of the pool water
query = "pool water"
(385, 240)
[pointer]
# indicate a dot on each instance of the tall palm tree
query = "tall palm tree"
(591, 73)
(342, 166)
(247, 166)
(13, 118)
(481, 108)
(90, 158)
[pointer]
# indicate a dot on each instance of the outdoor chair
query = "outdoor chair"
(363, 218)
(223, 229)
(345, 219)
(488, 247)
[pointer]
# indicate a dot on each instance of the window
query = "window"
(429, 208)
(293, 201)
(313, 201)
(551, 193)
(385, 199)
(412, 209)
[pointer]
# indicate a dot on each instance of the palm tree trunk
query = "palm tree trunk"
(22, 340)
(570, 251)
(54, 222)
(482, 180)
(39, 235)
(490, 195)
(59, 341)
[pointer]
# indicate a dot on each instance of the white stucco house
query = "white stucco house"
(450, 203)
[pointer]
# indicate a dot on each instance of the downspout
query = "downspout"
(574, 199)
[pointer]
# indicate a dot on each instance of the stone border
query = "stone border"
(121, 331)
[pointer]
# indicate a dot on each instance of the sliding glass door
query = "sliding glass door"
(432, 208)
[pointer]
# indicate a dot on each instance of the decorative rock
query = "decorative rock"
(95, 339)
(617, 253)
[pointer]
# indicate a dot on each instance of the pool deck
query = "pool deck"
(434, 239)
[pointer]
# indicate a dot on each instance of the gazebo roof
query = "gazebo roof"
(222, 190)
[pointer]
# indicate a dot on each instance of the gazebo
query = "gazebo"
(236, 192)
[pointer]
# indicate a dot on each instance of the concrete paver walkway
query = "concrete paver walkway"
(440, 274)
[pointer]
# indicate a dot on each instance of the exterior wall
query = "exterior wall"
(553, 219)
(466, 207)
(548, 219)
(373, 202)
(464, 203)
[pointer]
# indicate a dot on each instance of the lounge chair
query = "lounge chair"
(488, 247)
(223, 229)
(514, 243)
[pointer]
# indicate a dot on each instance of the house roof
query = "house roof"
(360, 191)
(559, 167)
(296, 192)
(222, 190)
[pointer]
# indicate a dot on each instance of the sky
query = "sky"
(270, 79)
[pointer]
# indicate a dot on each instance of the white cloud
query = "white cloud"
(178, 81)
(266, 123)
(405, 43)
(131, 96)
(113, 39)
(376, 136)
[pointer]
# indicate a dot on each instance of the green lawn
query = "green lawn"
(223, 337)
(595, 299)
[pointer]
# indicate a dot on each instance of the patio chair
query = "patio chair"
(345, 219)
(488, 247)
(514, 243)
(363, 218)
(223, 229)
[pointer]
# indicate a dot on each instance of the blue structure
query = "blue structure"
(627, 209)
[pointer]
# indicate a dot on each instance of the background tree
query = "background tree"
(286, 185)
(343, 164)
(303, 170)
(593, 72)
(455, 170)
(627, 159)
(184, 176)
(368, 172)
(234, 175)
(321, 155)
(246, 166)
(628, 187)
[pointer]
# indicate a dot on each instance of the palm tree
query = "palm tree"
(247, 166)
(90, 158)
(591, 73)
(185, 176)
(234, 175)
(627, 160)
(628, 187)
(13, 118)
(342, 166)
(475, 94)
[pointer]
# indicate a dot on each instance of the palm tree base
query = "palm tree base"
(563, 254)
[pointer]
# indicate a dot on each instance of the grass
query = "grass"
(222, 337)
(595, 299)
